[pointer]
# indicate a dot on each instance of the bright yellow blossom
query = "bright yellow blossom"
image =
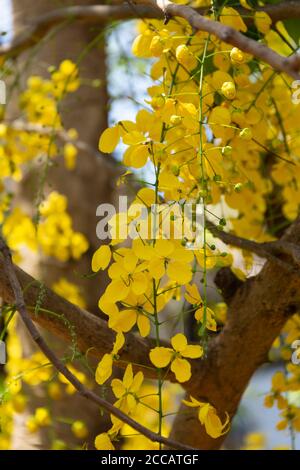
(162, 357)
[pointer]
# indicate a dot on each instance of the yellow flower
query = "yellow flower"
(185, 57)
(42, 417)
(125, 320)
(103, 442)
(79, 429)
(32, 425)
(101, 258)
(210, 321)
(279, 386)
(231, 17)
(127, 276)
(193, 296)
(70, 154)
(228, 90)
(104, 368)
(141, 44)
(236, 56)
(109, 139)
(69, 291)
(162, 357)
(126, 390)
(262, 21)
(208, 417)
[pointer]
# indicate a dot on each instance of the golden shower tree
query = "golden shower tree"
(219, 131)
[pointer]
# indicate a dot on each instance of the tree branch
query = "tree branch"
(63, 136)
(59, 365)
(93, 336)
(96, 15)
(273, 251)
(227, 34)
(282, 11)
(256, 315)
(100, 15)
(58, 316)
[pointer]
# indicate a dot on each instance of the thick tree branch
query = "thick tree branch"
(102, 14)
(93, 336)
(285, 254)
(282, 11)
(257, 313)
(16, 288)
(92, 333)
(98, 15)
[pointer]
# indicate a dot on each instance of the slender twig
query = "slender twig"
(59, 365)
(289, 65)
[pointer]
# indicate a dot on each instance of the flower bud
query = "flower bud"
(228, 90)
(236, 56)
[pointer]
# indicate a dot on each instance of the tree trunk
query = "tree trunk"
(91, 183)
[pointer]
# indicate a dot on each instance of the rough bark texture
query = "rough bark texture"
(90, 184)
(258, 308)
(257, 312)
(93, 336)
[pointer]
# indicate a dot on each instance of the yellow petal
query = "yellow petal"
(192, 294)
(119, 343)
(213, 424)
(141, 250)
(262, 21)
(134, 138)
(109, 139)
(209, 260)
(104, 369)
(141, 45)
(137, 382)
(193, 403)
(128, 376)
(164, 248)
(192, 351)
(231, 17)
(157, 268)
(160, 356)
(143, 324)
(123, 321)
(139, 283)
(103, 442)
(118, 388)
(139, 156)
(101, 258)
(107, 306)
(181, 369)
(131, 403)
(179, 272)
(179, 342)
(117, 290)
